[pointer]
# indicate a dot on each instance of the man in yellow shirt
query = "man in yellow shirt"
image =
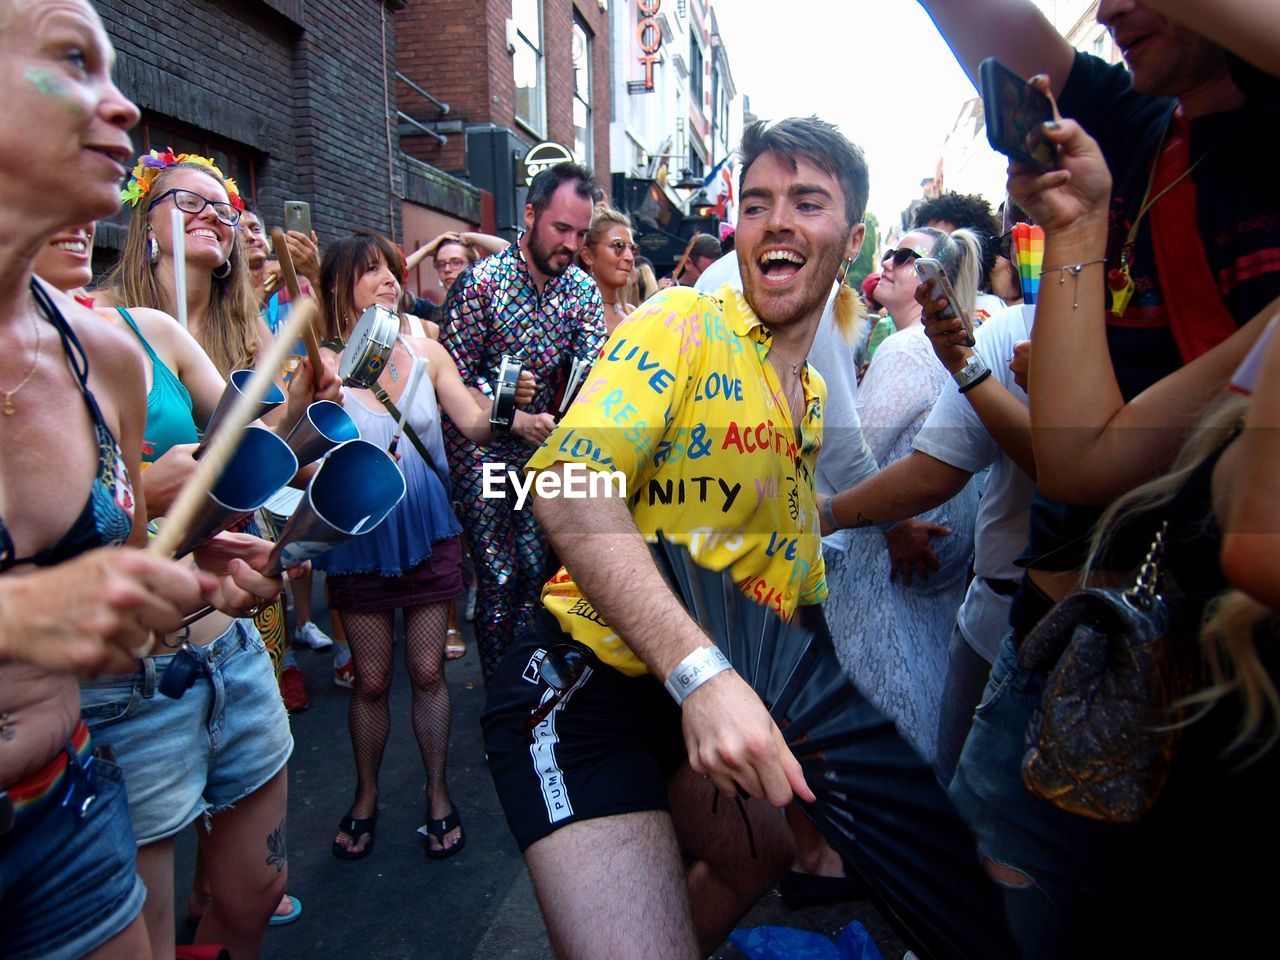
(704, 409)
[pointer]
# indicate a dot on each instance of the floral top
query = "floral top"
(494, 308)
(685, 406)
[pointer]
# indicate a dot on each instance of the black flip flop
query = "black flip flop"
(355, 829)
(439, 829)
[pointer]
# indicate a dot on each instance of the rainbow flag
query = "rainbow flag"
(1028, 241)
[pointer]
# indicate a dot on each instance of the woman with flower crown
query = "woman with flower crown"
(221, 758)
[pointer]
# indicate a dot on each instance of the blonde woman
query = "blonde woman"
(609, 255)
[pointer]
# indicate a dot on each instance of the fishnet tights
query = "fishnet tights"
(372, 640)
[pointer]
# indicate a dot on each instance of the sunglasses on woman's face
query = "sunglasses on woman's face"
(620, 246)
(1004, 245)
(189, 202)
(901, 256)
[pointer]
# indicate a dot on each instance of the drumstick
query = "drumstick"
(295, 294)
(178, 230)
(230, 432)
(684, 258)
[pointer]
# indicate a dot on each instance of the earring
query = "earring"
(153, 249)
(223, 270)
(849, 308)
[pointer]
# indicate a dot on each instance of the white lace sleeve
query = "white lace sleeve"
(900, 388)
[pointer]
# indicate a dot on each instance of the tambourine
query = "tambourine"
(578, 371)
(504, 393)
(369, 347)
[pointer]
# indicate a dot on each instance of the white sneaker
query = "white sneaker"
(309, 635)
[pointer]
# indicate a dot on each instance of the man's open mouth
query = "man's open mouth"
(780, 265)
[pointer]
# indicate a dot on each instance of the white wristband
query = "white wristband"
(695, 670)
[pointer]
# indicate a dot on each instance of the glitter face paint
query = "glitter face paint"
(50, 86)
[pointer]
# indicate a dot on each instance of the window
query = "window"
(697, 167)
(531, 90)
(161, 133)
(695, 72)
(583, 145)
(231, 159)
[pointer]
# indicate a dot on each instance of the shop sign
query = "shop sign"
(542, 156)
(649, 38)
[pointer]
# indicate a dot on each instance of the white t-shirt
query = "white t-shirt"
(955, 434)
(986, 306)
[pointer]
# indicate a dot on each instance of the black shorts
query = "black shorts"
(608, 747)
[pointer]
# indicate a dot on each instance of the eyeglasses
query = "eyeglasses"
(619, 246)
(1004, 245)
(457, 263)
(189, 202)
(561, 667)
(900, 256)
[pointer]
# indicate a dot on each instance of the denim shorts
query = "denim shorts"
(202, 753)
(68, 884)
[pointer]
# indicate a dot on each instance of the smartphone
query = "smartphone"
(297, 216)
(1014, 112)
(930, 272)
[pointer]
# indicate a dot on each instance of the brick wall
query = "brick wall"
(297, 82)
(458, 52)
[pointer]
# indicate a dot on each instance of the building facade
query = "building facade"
(293, 98)
(677, 114)
(480, 83)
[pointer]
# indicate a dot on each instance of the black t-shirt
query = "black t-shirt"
(1238, 209)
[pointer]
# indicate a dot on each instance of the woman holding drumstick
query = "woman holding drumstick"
(254, 739)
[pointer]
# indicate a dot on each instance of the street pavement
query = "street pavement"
(396, 904)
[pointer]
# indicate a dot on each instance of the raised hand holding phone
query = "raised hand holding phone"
(937, 286)
(1016, 112)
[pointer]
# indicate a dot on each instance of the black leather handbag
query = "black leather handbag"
(1102, 742)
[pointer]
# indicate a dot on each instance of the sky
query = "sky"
(876, 68)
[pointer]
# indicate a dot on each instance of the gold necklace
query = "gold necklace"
(9, 408)
(1120, 280)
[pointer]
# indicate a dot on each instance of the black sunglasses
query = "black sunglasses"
(561, 667)
(190, 202)
(1004, 245)
(900, 256)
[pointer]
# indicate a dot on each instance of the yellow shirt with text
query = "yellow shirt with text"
(684, 404)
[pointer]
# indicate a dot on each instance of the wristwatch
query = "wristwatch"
(972, 373)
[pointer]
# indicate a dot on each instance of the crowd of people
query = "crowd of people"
(1039, 533)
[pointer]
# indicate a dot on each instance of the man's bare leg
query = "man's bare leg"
(726, 881)
(614, 888)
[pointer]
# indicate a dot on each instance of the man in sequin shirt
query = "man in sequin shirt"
(532, 302)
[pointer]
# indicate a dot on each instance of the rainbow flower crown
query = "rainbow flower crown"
(148, 169)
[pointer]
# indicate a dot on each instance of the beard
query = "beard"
(541, 252)
(805, 294)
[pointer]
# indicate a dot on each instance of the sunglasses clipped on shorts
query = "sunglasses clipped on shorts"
(901, 256)
(190, 202)
(560, 669)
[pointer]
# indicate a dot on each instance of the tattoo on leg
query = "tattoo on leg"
(279, 855)
(862, 521)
